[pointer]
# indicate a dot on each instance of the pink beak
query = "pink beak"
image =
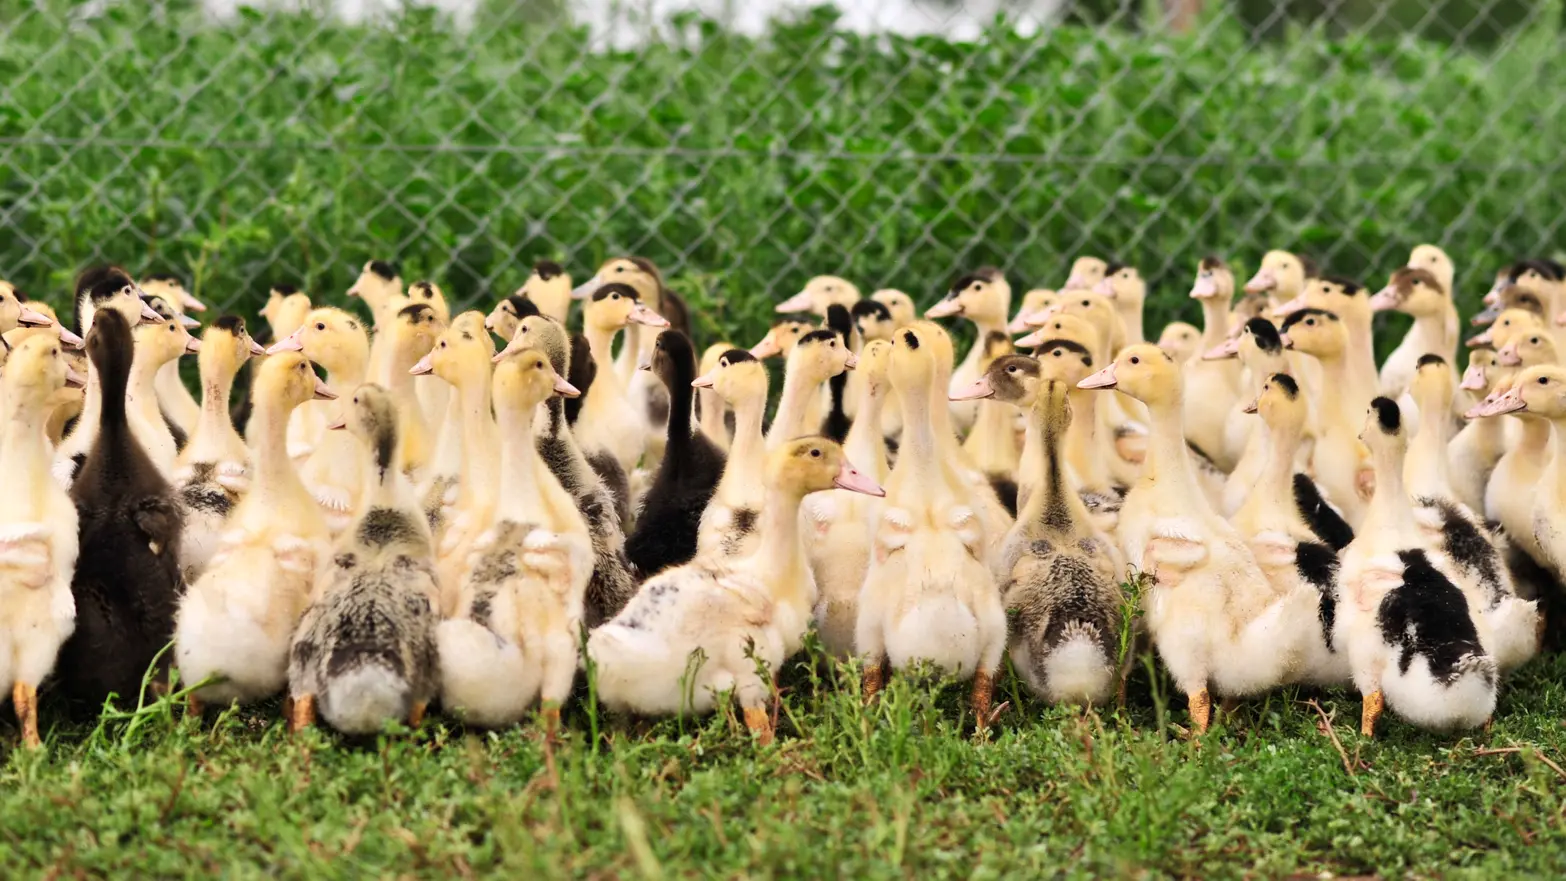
(150, 315)
(1229, 348)
(800, 302)
(294, 342)
(944, 308)
(255, 347)
(70, 340)
(980, 388)
(1103, 379)
(1561, 319)
(1252, 406)
(353, 292)
(1511, 402)
(187, 322)
(1385, 300)
(849, 478)
(1483, 339)
(1076, 283)
(33, 318)
(1205, 287)
(767, 348)
(1032, 340)
(642, 315)
(1105, 288)
(190, 303)
(1474, 379)
(852, 362)
(1288, 341)
(1263, 280)
(339, 425)
(1019, 324)
(192, 346)
(322, 393)
(704, 381)
(565, 389)
(1038, 318)
(424, 367)
(74, 379)
(1509, 356)
(1290, 307)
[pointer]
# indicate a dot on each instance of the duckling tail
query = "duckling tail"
(481, 675)
(361, 700)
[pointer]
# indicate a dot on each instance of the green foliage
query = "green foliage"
(284, 146)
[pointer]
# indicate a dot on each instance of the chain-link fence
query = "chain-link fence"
(275, 145)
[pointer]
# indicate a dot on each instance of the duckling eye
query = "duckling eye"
(443, 344)
(1544, 380)
(1310, 322)
(1011, 369)
(619, 269)
(1135, 360)
(1086, 303)
(319, 325)
(1533, 340)
(614, 296)
(815, 454)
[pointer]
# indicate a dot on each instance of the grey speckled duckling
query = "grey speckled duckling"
(364, 654)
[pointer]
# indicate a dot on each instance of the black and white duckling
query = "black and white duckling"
(128, 583)
(236, 620)
(612, 420)
(1062, 592)
(213, 471)
(1413, 644)
(612, 583)
(38, 526)
(728, 525)
(722, 624)
(670, 515)
(502, 320)
(364, 652)
(928, 596)
(837, 420)
(514, 638)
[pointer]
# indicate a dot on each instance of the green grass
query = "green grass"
(896, 790)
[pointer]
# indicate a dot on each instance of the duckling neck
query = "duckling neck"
(1131, 318)
(216, 386)
(1168, 465)
(918, 441)
(275, 481)
(1053, 509)
(24, 447)
(480, 438)
(747, 455)
(1334, 398)
(1389, 507)
(519, 487)
(600, 342)
(1558, 430)
(798, 389)
(1082, 442)
(142, 388)
(712, 416)
(1427, 452)
(778, 554)
(1215, 322)
(1274, 490)
(865, 444)
(390, 487)
(1437, 331)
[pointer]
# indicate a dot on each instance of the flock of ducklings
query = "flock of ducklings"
(444, 516)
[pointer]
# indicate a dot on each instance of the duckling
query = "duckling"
(819, 293)
(98, 289)
(1283, 529)
(1033, 302)
(1434, 260)
(1067, 358)
(612, 583)
(285, 312)
(236, 620)
(1259, 348)
(1338, 459)
(127, 584)
(840, 557)
(502, 321)
(1124, 287)
(1086, 273)
(1212, 386)
(670, 517)
(413, 333)
(1418, 293)
(1412, 640)
(156, 346)
(928, 595)
(1346, 299)
(1281, 277)
(1062, 588)
(1479, 445)
(611, 420)
(213, 471)
(380, 287)
(38, 541)
(1181, 341)
(335, 470)
(984, 298)
(835, 423)
(899, 304)
(1513, 483)
(434, 396)
(992, 444)
(514, 637)
(1233, 630)
(1518, 319)
(712, 413)
(737, 615)
(364, 652)
(817, 357)
(581, 372)
(874, 321)
(548, 288)
(15, 312)
(174, 399)
(728, 524)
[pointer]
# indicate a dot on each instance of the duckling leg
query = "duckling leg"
(874, 677)
(551, 715)
(760, 724)
(1370, 712)
(983, 691)
(416, 714)
(193, 705)
(302, 714)
(25, 698)
(1201, 704)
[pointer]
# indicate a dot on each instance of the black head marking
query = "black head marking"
(735, 356)
(1388, 414)
(1266, 335)
(871, 307)
(1431, 358)
(231, 323)
(911, 338)
(522, 306)
(1058, 345)
(1113, 267)
(1349, 286)
(415, 311)
(166, 278)
(547, 269)
(1287, 383)
(1212, 262)
(285, 288)
(1303, 314)
(385, 270)
(818, 336)
(616, 287)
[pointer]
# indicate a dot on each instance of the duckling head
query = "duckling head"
(913, 356)
(1097, 311)
(16, 312)
(781, 338)
(164, 342)
(873, 320)
(1086, 272)
(1432, 387)
(1341, 296)
(1062, 325)
(1258, 333)
(820, 355)
(1144, 372)
(1011, 379)
(1315, 332)
(285, 309)
(1384, 431)
(1064, 360)
(226, 346)
(1413, 291)
(1180, 340)
(875, 359)
(1281, 276)
(371, 416)
(1508, 325)
(982, 296)
(1124, 285)
(1538, 390)
(331, 338)
(899, 304)
(414, 331)
(1435, 261)
(378, 283)
(614, 305)
(1527, 348)
(549, 286)
(995, 345)
(527, 380)
(1033, 302)
(110, 287)
(502, 321)
(637, 272)
(289, 379)
(736, 375)
(429, 294)
(674, 359)
(1214, 280)
(36, 371)
(462, 353)
(1482, 373)
(819, 293)
(709, 358)
(172, 288)
(813, 464)
(543, 334)
(1280, 404)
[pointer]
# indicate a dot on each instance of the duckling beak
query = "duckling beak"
(800, 302)
(424, 367)
(980, 388)
(945, 308)
(565, 389)
(704, 381)
(1206, 286)
(192, 345)
(1229, 348)
(1105, 288)
(1288, 341)
(1263, 280)
(1474, 379)
(1483, 339)
(642, 315)
(1038, 318)
(353, 292)
(1076, 283)
(1486, 315)
(1103, 379)
(1385, 300)
(191, 304)
(586, 288)
(1251, 407)
(150, 315)
(1560, 319)
(255, 347)
(851, 362)
(1031, 341)
(74, 379)
(645, 365)
(491, 320)
(339, 425)
(294, 342)
(1509, 356)
(1019, 324)
(33, 318)
(1289, 308)
(849, 478)
(767, 348)
(71, 340)
(1511, 402)
(187, 322)
(322, 393)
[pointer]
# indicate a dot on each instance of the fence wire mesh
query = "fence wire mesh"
(279, 144)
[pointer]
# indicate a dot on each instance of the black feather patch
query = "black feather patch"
(1317, 565)
(415, 310)
(1287, 383)
(735, 356)
(1327, 524)
(871, 307)
(911, 338)
(547, 269)
(1297, 317)
(522, 306)
(615, 287)
(285, 288)
(1266, 335)
(818, 336)
(1114, 267)
(1388, 414)
(231, 323)
(1072, 346)
(1349, 286)
(1430, 358)
(387, 271)
(1212, 261)
(165, 277)
(1428, 616)
(838, 319)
